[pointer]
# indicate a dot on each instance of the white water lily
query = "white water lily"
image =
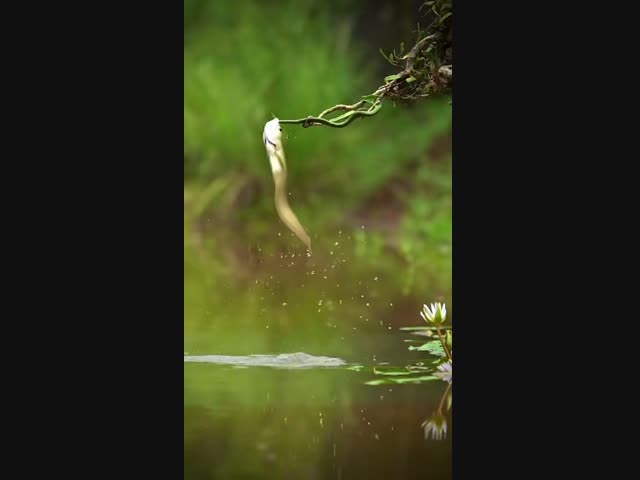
(436, 313)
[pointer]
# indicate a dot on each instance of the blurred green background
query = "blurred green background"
(375, 198)
(246, 61)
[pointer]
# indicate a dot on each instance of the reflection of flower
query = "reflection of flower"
(436, 427)
(445, 371)
(436, 313)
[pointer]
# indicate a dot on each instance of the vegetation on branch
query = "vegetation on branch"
(427, 71)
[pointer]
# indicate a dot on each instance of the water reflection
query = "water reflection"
(266, 423)
(435, 427)
(247, 421)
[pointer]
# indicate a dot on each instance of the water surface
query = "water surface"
(278, 351)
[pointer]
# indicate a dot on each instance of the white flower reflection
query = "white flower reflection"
(435, 427)
(445, 372)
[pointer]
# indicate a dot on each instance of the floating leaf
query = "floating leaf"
(434, 347)
(417, 368)
(391, 371)
(390, 380)
(411, 329)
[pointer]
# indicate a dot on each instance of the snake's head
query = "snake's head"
(272, 134)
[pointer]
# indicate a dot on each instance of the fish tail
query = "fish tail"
(286, 213)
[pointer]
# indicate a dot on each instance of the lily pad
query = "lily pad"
(434, 347)
(395, 380)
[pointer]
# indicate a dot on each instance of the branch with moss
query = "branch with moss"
(427, 71)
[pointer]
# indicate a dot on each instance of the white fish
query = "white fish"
(272, 138)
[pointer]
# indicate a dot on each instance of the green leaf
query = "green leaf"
(386, 57)
(356, 368)
(391, 371)
(410, 329)
(392, 380)
(411, 79)
(434, 347)
(391, 78)
(445, 16)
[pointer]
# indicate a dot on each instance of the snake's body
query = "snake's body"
(272, 137)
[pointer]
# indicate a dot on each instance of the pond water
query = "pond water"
(279, 350)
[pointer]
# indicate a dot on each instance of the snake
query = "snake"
(272, 139)
(337, 122)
